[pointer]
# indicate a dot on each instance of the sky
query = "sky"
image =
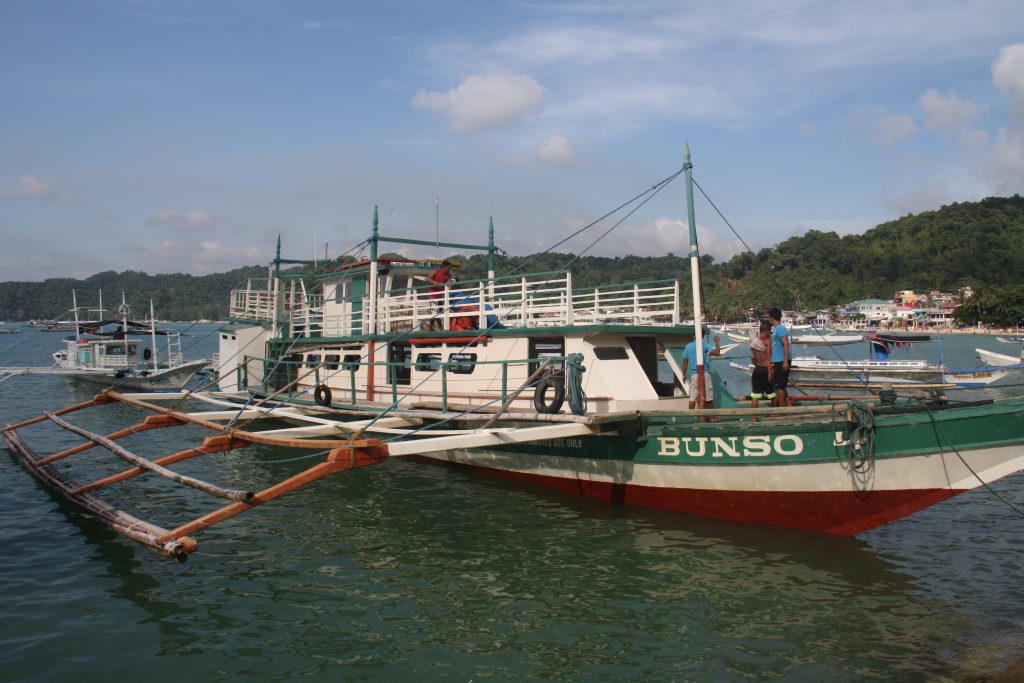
(186, 136)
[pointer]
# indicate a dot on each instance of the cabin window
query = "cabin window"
(351, 361)
(428, 362)
(331, 361)
(462, 363)
(610, 353)
(312, 360)
(544, 347)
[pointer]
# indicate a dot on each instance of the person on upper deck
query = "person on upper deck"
(439, 278)
(782, 354)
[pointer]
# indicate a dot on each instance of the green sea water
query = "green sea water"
(407, 571)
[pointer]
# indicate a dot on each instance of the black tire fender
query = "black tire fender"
(322, 395)
(540, 402)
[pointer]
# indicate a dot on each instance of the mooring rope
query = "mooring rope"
(574, 383)
(859, 436)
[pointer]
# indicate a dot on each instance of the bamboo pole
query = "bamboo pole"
(121, 522)
(541, 369)
(145, 464)
(62, 411)
(251, 437)
(339, 459)
(151, 422)
(212, 444)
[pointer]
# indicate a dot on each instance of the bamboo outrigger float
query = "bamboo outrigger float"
(531, 378)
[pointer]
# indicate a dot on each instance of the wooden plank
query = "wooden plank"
(495, 437)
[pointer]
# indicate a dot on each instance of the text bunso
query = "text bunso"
(753, 446)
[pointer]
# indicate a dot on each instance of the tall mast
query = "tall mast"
(698, 308)
(152, 336)
(74, 306)
(374, 239)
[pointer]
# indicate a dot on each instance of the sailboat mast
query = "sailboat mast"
(698, 308)
(152, 335)
(74, 306)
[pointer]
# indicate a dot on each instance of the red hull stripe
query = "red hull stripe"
(837, 512)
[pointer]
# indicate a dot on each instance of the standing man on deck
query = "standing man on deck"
(781, 356)
(690, 370)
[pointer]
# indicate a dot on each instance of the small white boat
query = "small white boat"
(999, 359)
(99, 354)
(829, 339)
(1011, 340)
(814, 369)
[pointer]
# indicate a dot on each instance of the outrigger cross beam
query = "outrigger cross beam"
(310, 432)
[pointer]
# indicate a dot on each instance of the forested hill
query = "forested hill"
(175, 297)
(980, 244)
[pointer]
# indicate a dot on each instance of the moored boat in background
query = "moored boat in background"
(119, 352)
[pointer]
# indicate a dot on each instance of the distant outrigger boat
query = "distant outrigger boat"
(345, 360)
(114, 353)
(827, 339)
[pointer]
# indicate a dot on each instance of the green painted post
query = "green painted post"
(504, 381)
(444, 387)
(374, 235)
(490, 248)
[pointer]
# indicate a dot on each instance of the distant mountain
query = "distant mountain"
(977, 244)
(175, 297)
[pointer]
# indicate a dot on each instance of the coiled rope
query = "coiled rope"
(859, 436)
(574, 383)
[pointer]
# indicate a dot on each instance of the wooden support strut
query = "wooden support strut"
(145, 464)
(151, 422)
(131, 527)
(339, 459)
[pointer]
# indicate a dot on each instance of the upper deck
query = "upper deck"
(344, 305)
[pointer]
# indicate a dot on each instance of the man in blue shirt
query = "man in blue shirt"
(782, 353)
(690, 369)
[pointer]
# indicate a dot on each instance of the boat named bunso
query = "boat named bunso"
(527, 376)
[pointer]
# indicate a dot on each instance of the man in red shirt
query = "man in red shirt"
(439, 278)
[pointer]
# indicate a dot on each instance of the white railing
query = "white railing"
(254, 301)
(536, 300)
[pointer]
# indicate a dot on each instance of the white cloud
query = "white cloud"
(657, 237)
(925, 195)
(590, 45)
(33, 187)
(196, 219)
(1005, 164)
(891, 129)
(482, 102)
(555, 150)
(1008, 75)
(948, 113)
(807, 128)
